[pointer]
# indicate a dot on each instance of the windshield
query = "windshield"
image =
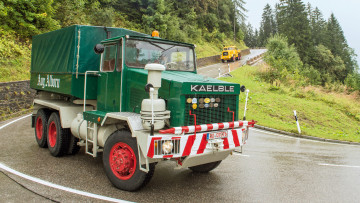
(138, 53)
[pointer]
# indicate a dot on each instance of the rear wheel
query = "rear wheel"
(204, 168)
(222, 60)
(58, 137)
(121, 162)
(74, 148)
(41, 120)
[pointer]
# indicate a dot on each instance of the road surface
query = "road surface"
(272, 168)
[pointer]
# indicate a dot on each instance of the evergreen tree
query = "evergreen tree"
(268, 26)
(292, 20)
(318, 27)
(249, 36)
(337, 43)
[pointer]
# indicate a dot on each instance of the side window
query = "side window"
(119, 57)
(108, 63)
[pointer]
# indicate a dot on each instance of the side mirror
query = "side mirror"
(242, 88)
(99, 48)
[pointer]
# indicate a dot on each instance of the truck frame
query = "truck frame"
(144, 104)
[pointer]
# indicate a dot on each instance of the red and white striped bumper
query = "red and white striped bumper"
(194, 144)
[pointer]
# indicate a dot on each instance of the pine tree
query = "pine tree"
(249, 36)
(318, 27)
(293, 23)
(268, 26)
(337, 43)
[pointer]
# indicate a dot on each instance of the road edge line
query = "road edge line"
(16, 120)
(49, 184)
(59, 187)
(305, 136)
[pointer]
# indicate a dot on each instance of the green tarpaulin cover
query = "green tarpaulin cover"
(56, 51)
(60, 58)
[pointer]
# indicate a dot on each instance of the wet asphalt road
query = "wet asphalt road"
(273, 168)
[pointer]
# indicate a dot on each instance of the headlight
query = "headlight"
(167, 147)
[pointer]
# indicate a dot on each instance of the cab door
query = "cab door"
(110, 78)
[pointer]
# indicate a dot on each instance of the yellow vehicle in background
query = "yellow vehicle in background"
(230, 53)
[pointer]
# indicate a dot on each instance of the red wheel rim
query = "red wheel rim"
(122, 161)
(39, 128)
(52, 134)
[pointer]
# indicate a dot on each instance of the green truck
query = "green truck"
(134, 98)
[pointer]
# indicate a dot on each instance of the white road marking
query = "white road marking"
(335, 165)
(42, 182)
(299, 138)
(46, 183)
(1, 127)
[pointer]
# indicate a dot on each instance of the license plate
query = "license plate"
(217, 135)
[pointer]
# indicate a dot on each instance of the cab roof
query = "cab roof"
(114, 39)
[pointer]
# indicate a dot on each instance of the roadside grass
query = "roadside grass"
(14, 69)
(15, 54)
(321, 113)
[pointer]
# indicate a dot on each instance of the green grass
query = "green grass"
(14, 69)
(321, 114)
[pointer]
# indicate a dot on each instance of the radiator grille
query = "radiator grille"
(211, 114)
(158, 147)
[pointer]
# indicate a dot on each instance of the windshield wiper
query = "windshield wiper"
(168, 48)
(158, 46)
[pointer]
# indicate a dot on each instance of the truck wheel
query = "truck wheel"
(74, 148)
(222, 60)
(41, 120)
(121, 162)
(58, 137)
(204, 168)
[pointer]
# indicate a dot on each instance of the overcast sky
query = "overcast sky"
(347, 12)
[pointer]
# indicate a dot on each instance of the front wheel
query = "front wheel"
(121, 162)
(204, 168)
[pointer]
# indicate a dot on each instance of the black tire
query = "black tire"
(122, 143)
(41, 122)
(205, 168)
(57, 137)
(74, 148)
(222, 60)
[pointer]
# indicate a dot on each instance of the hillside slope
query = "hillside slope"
(321, 114)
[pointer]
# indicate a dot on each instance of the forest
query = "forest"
(299, 39)
(303, 44)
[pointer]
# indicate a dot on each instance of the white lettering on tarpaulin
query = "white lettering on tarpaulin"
(49, 81)
(211, 88)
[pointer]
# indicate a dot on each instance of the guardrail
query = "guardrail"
(255, 59)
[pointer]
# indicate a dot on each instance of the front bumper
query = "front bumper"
(226, 57)
(185, 145)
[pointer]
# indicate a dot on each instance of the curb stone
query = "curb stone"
(305, 136)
